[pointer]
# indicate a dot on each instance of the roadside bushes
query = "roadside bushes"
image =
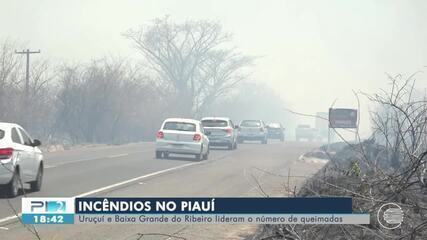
(106, 101)
(390, 167)
(343, 176)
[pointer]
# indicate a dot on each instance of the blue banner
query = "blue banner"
(213, 205)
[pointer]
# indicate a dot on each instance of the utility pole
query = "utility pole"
(27, 85)
(27, 72)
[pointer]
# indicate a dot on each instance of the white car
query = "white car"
(21, 161)
(182, 136)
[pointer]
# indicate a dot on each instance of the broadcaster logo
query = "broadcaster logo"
(390, 216)
(48, 206)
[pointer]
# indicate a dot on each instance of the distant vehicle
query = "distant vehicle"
(21, 161)
(222, 131)
(304, 131)
(276, 131)
(182, 136)
(252, 130)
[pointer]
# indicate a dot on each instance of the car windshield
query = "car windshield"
(250, 123)
(180, 126)
(1, 134)
(214, 123)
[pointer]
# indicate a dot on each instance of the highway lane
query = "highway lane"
(226, 173)
(73, 172)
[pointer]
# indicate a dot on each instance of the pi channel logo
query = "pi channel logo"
(390, 216)
(48, 206)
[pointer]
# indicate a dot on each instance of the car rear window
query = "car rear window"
(214, 123)
(274, 125)
(180, 126)
(15, 136)
(1, 134)
(250, 123)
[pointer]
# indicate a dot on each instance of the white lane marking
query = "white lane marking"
(4, 228)
(136, 179)
(10, 218)
(118, 155)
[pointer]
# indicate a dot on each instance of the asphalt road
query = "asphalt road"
(131, 170)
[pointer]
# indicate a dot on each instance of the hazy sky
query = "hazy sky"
(311, 52)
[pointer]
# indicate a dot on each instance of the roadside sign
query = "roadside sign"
(342, 118)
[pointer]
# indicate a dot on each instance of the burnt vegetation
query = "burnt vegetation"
(388, 167)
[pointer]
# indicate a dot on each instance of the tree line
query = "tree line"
(184, 70)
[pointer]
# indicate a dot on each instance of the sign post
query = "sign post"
(341, 118)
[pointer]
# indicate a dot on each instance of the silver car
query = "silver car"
(182, 136)
(21, 161)
(253, 130)
(222, 131)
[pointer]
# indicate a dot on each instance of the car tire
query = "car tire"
(37, 184)
(230, 146)
(158, 154)
(206, 156)
(200, 156)
(13, 186)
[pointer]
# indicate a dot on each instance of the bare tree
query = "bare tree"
(12, 91)
(219, 74)
(108, 101)
(39, 116)
(401, 126)
(70, 103)
(10, 78)
(191, 59)
(88, 97)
